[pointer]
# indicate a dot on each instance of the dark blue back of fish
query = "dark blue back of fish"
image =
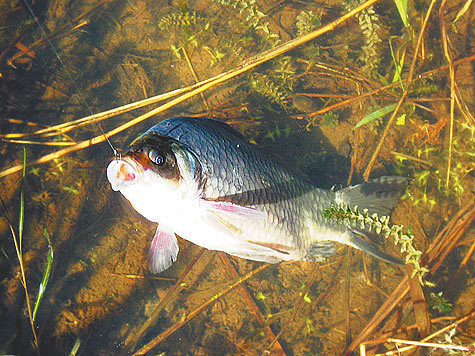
(240, 172)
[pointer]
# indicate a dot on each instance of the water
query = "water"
(100, 296)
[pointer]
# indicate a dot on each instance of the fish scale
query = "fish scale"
(255, 179)
(202, 180)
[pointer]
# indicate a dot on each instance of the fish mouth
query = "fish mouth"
(123, 172)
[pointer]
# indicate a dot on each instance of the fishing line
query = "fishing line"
(76, 88)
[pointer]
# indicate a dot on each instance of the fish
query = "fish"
(200, 179)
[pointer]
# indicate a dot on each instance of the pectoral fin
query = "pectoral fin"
(163, 250)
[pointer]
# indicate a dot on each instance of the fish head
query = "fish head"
(154, 174)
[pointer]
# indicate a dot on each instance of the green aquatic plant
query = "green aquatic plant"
(369, 24)
(439, 303)
(254, 19)
(18, 242)
(46, 275)
(306, 22)
(186, 21)
(381, 226)
(376, 115)
(276, 84)
(429, 186)
(267, 87)
(187, 28)
(330, 119)
(423, 86)
(278, 132)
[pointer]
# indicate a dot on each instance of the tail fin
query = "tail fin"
(365, 246)
(378, 196)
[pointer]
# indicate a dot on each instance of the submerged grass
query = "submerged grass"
(46, 274)
(17, 240)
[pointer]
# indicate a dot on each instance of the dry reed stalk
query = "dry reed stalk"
(60, 32)
(404, 94)
(245, 66)
(134, 336)
(159, 338)
(443, 30)
(434, 256)
(17, 39)
(70, 125)
(193, 72)
(378, 90)
(41, 42)
(277, 349)
(423, 342)
(46, 143)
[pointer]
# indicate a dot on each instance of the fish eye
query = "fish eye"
(155, 157)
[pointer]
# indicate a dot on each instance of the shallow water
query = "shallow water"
(100, 299)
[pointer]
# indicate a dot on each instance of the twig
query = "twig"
(16, 39)
(137, 276)
(135, 336)
(467, 256)
(252, 305)
(70, 125)
(403, 96)
(294, 314)
(192, 70)
(378, 90)
(60, 31)
(411, 158)
(423, 342)
(42, 41)
(444, 35)
(159, 338)
(46, 143)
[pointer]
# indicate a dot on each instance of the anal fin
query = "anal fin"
(319, 250)
(163, 250)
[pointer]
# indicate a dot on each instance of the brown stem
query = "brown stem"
(278, 350)
(159, 338)
(443, 30)
(135, 336)
(403, 96)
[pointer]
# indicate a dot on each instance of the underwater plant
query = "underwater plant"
(17, 237)
(306, 22)
(276, 84)
(381, 226)
(187, 28)
(438, 302)
(369, 25)
(429, 187)
(254, 19)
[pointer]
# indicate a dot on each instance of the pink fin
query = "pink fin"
(163, 250)
(227, 207)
